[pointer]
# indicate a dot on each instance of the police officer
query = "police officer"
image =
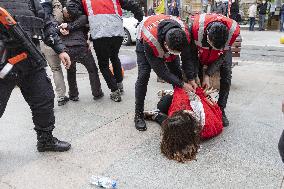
(30, 76)
(161, 39)
(213, 35)
(107, 32)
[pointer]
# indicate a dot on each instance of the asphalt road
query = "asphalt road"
(105, 142)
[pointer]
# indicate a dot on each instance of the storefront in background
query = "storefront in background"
(164, 6)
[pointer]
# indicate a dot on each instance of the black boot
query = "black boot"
(46, 142)
(225, 119)
(139, 121)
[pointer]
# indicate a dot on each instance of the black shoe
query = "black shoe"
(62, 100)
(74, 98)
(151, 114)
(225, 119)
(115, 96)
(99, 96)
(139, 121)
(46, 142)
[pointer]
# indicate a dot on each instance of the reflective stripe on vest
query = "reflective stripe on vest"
(201, 31)
(115, 6)
(231, 32)
(105, 18)
(144, 32)
(95, 7)
(158, 50)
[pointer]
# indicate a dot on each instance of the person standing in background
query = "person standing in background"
(262, 8)
(219, 8)
(282, 18)
(235, 11)
(252, 15)
(174, 9)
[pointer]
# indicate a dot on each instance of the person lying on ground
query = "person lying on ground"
(186, 119)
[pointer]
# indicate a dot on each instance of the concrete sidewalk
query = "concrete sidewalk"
(262, 38)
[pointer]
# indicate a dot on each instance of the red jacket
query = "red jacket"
(212, 122)
(207, 56)
(148, 32)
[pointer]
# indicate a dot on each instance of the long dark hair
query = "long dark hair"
(180, 137)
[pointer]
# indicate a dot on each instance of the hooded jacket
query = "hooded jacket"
(156, 60)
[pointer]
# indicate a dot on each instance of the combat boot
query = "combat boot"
(139, 121)
(46, 142)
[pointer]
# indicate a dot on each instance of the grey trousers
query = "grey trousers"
(55, 65)
(261, 21)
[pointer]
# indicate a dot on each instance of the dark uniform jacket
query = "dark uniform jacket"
(38, 25)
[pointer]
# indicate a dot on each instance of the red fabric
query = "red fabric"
(180, 101)
(206, 56)
(151, 24)
(102, 7)
(213, 114)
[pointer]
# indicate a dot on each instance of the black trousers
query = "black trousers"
(144, 70)
(164, 106)
(225, 79)
(281, 146)
(38, 93)
(83, 55)
(251, 23)
(106, 49)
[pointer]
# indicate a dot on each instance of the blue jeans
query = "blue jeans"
(251, 23)
(261, 21)
(281, 23)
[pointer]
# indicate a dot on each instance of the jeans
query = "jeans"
(251, 23)
(281, 23)
(261, 22)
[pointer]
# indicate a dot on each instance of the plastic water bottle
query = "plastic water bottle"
(103, 182)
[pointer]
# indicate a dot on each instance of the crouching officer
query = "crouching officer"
(30, 74)
(161, 39)
(213, 35)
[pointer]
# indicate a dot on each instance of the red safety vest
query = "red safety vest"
(104, 18)
(148, 31)
(94, 7)
(207, 56)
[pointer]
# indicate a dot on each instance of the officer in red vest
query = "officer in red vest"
(106, 28)
(213, 35)
(160, 41)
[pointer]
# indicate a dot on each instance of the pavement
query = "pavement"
(105, 142)
(262, 38)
